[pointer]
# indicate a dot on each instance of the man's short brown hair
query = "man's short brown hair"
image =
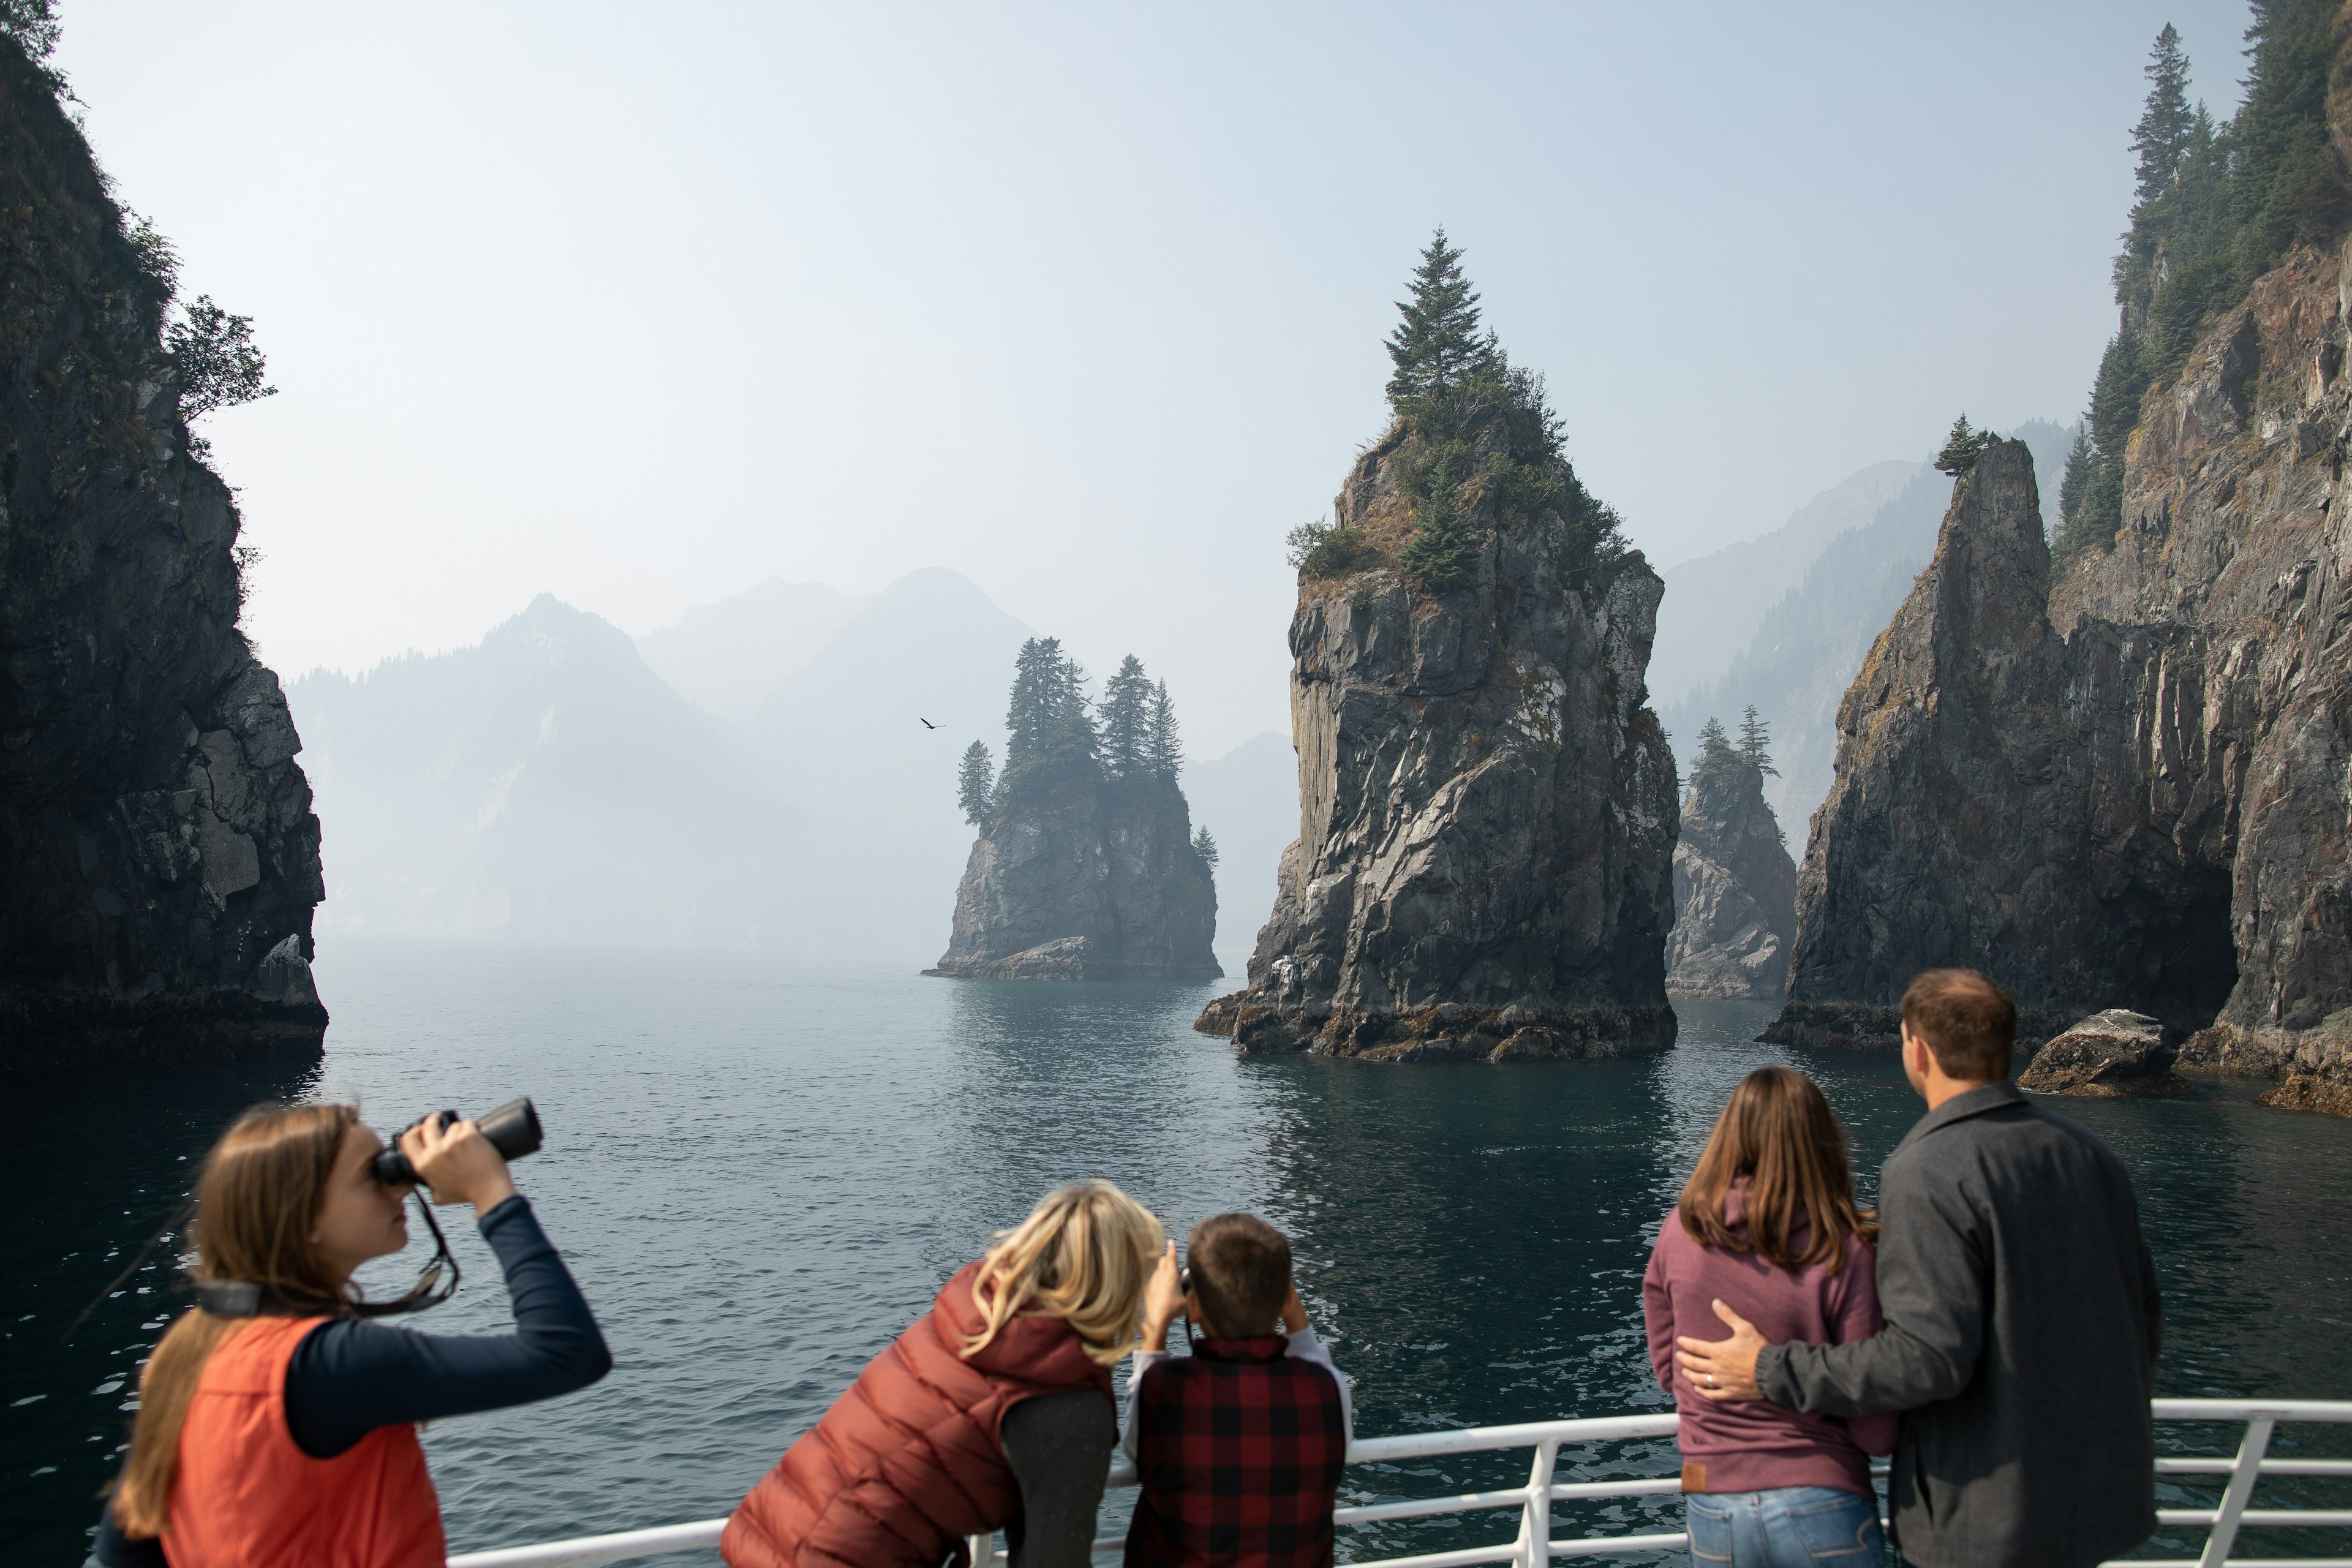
(1241, 1270)
(1969, 1023)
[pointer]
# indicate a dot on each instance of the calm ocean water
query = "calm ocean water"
(760, 1173)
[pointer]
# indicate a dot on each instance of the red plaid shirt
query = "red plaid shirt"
(1240, 1449)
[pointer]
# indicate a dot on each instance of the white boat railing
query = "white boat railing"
(2222, 1522)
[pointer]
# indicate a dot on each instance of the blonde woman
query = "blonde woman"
(992, 1412)
(276, 1423)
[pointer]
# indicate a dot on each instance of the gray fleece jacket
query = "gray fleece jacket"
(2022, 1322)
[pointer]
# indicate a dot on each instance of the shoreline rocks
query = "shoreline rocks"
(2113, 1054)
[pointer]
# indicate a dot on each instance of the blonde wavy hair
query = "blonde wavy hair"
(1084, 1256)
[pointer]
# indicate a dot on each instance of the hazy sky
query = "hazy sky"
(641, 305)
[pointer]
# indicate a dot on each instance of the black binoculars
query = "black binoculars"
(512, 1130)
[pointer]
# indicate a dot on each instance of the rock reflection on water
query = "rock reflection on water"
(761, 1171)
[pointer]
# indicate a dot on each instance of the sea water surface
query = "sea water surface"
(760, 1172)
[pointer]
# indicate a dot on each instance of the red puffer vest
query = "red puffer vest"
(908, 1461)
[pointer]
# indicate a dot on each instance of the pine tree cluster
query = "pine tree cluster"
(1479, 432)
(1719, 755)
(1055, 737)
(2215, 205)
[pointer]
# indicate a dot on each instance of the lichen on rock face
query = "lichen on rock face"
(157, 848)
(1487, 808)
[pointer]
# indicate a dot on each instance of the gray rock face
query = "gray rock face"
(2111, 1055)
(1486, 808)
(1735, 891)
(2122, 785)
(1097, 881)
(157, 849)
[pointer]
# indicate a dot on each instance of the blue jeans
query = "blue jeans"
(1789, 1527)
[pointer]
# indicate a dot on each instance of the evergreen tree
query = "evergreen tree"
(2287, 181)
(976, 779)
(1440, 554)
(1126, 713)
(1047, 722)
(1756, 742)
(1964, 448)
(2162, 136)
(2079, 459)
(1716, 756)
(1205, 847)
(1163, 751)
(33, 25)
(1438, 343)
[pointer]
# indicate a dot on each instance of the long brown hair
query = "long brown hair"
(1084, 1254)
(255, 1202)
(1778, 1131)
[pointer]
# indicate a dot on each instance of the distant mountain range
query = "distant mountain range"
(1810, 639)
(556, 784)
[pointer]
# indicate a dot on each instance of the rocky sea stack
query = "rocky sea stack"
(2119, 783)
(1087, 866)
(1734, 886)
(158, 854)
(1487, 806)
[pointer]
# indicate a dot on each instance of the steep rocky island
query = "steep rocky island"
(1487, 809)
(158, 854)
(1734, 886)
(2115, 780)
(1087, 866)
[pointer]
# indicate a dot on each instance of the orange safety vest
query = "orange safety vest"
(244, 1496)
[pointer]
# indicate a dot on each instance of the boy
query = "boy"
(1239, 1445)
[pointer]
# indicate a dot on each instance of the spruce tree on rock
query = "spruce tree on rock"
(1438, 343)
(1756, 742)
(2166, 125)
(1964, 446)
(1205, 847)
(1126, 719)
(1163, 751)
(1715, 752)
(1048, 723)
(2077, 477)
(975, 781)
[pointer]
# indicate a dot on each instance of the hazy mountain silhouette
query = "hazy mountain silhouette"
(545, 786)
(1714, 604)
(1248, 799)
(730, 656)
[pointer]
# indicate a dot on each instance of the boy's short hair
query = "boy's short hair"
(1241, 1270)
(1969, 1023)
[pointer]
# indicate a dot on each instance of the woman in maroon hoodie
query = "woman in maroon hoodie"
(1768, 1226)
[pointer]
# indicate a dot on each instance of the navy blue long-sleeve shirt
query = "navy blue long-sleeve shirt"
(352, 1375)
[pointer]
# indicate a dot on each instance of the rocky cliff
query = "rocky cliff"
(1735, 888)
(1487, 806)
(1087, 878)
(2121, 783)
(158, 854)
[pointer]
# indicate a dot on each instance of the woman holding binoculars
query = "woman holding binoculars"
(276, 1424)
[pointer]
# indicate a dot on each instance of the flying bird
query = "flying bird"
(926, 723)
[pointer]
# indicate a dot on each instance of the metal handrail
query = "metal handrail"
(2232, 1513)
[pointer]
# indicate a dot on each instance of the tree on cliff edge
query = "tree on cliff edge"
(975, 781)
(1049, 730)
(1756, 742)
(1126, 713)
(1438, 343)
(1163, 749)
(2161, 137)
(1963, 447)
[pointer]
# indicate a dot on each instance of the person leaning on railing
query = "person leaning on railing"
(2023, 1318)
(284, 1434)
(992, 1412)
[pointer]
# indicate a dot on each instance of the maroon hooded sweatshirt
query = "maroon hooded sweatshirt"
(1749, 1446)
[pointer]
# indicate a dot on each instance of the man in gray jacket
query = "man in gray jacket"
(2023, 1318)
